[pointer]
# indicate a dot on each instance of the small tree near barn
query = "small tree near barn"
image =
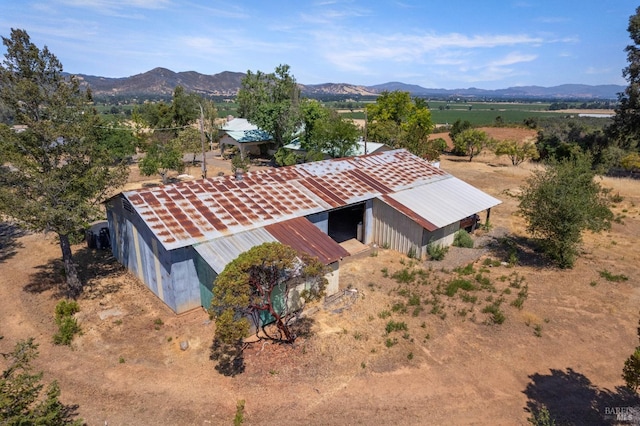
(269, 283)
(562, 201)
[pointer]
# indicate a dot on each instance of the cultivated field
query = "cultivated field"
(564, 347)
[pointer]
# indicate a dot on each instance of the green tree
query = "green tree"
(518, 152)
(185, 107)
(261, 285)
(162, 156)
(334, 135)
(470, 142)
(22, 401)
(458, 127)
(55, 173)
(312, 111)
(401, 122)
(625, 128)
(272, 102)
(631, 162)
(562, 201)
(189, 140)
(171, 133)
(631, 369)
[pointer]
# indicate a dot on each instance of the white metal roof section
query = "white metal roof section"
(220, 252)
(239, 124)
(445, 201)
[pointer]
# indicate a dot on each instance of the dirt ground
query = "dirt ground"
(564, 348)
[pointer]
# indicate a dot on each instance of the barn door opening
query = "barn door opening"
(347, 223)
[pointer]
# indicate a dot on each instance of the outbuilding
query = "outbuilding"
(177, 238)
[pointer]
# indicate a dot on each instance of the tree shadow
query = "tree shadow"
(9, 244)
(518, 250)
(96, 270)
(571, 398)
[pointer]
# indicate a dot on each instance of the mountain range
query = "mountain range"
(161, 82)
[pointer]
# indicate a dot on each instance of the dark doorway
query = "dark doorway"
(343, 223)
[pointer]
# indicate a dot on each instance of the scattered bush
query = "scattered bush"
(436, 251)
(404, 276)
(396, 326)
(462, 239)
(239, 417)
(67, 325)
(611, 277)
(497, 316)
(467, 270)
(456, 284)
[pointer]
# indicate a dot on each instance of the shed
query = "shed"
(245, 136)
(177, 238)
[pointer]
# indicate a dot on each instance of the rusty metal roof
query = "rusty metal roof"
(298, 233)
(193, 212)
(304, 236)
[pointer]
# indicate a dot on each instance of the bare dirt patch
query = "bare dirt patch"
(564, 348)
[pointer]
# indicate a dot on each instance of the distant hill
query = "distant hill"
(161, 82)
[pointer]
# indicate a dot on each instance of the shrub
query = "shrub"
(436, 251)
(456, 284)
(497, 316)
(467, 270)
(396, 326)
(462, 239)
(67, 325)
(612, 277)
(404, 276)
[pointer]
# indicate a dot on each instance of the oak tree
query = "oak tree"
(271, 102)
(560, 203)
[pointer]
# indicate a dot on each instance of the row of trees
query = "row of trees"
(273, 103)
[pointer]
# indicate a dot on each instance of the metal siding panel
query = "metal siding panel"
(395, 229)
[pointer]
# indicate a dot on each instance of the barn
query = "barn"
(177, 238)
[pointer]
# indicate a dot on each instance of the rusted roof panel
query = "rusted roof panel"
(304, 236)
(197, 211)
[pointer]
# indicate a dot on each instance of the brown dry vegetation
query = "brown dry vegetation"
(449, 367)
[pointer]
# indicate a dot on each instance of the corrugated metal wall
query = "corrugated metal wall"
(392, 228)
(172, 276)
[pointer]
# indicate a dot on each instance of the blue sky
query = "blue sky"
(488, 44)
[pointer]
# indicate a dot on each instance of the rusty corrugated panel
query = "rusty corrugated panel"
(202, 210)
(304, 236)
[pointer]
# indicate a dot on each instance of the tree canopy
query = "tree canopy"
(562, 201)
(269, 283)
(399, 121)
(172, 131)
(470, 142)
(22, 401)
(56, 171)
(626, 122)
(272, 102)
(518, 152)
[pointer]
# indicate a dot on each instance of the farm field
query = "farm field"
(564, 347)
